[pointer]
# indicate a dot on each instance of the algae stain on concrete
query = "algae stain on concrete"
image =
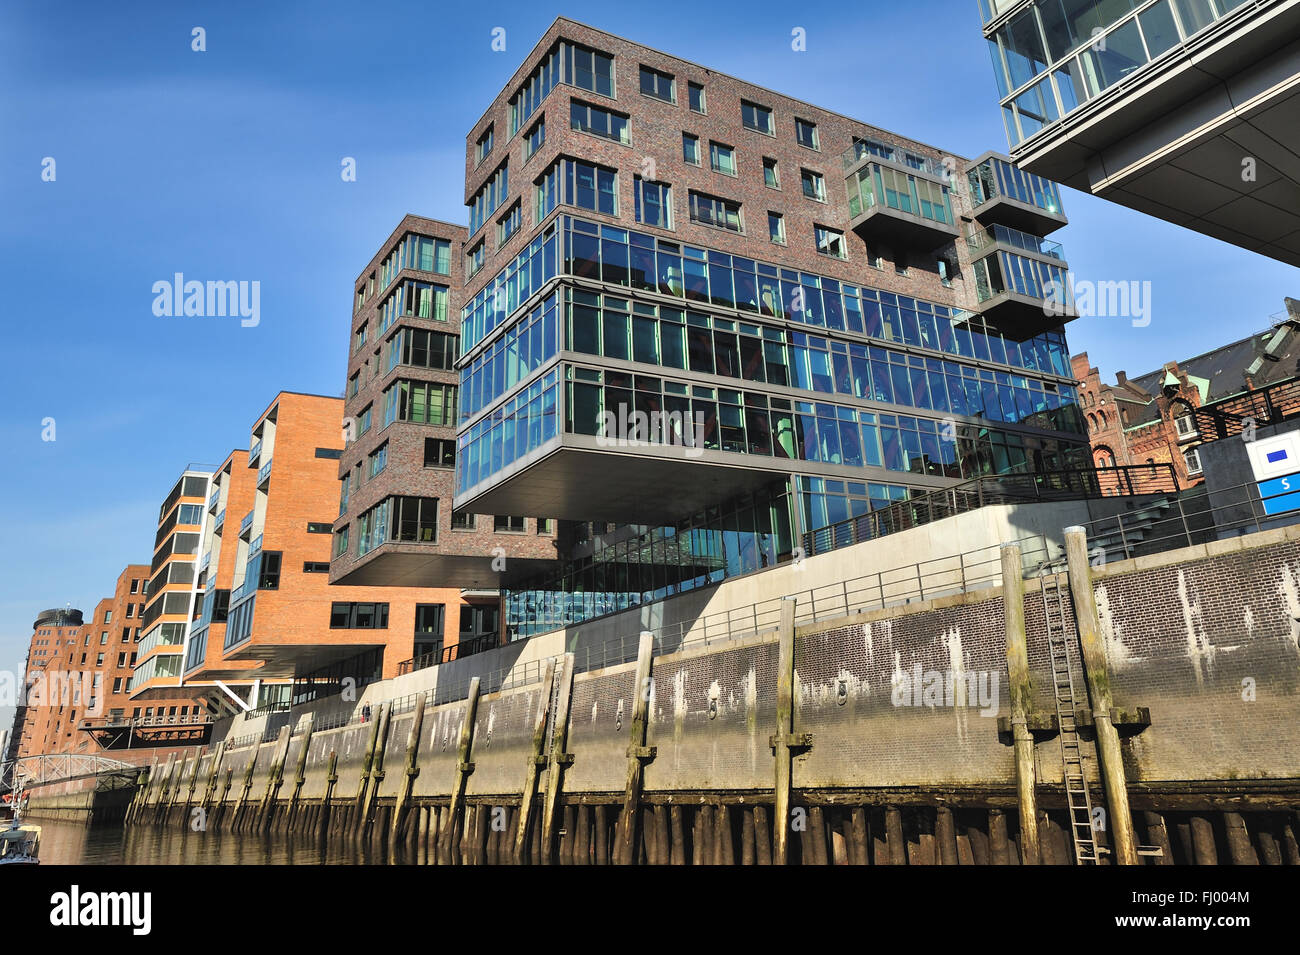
(1199, 649)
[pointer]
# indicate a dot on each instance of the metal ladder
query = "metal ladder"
(1076, 782)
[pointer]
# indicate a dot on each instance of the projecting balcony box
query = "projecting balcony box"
(898, 202)
(1021, 281)
(584, 477)
(1005, 195)
(277, 659)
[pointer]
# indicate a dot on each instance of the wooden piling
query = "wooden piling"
(1021, 693)
(1092, 645)
(637, 751)
(412, 768)
(784, 731)
(537, 759)
(560, 757)
(463, 765)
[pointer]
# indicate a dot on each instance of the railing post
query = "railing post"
(1123, 538)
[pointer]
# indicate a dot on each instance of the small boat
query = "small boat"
(19, 843)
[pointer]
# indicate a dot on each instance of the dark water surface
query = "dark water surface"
(71, 843)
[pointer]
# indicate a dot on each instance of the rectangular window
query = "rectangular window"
(269, 577)
(722, 158)
(716, 212)
(535, 139)
(315, 567)
(358, 616)
(509, 224)
(317, 527)
(652, 202)
(805, 133)
(546, 525)
(697, 97)
(414, 519)
(354, 385)
(598, 122)
(364, 420)
(332, 454)
(691, 149)
(340, 541)
(814, 186)
(757, 118)
(377, 461)
(490, 197)
(659, 85)
(590, 69)
(484, 146)
(830, 242)
(776, 227)
(475, 258)
(439, 453)
(578, 183)
(462, 521)
(360, 339)
(513, 525)
(421, 402)
(770, 177)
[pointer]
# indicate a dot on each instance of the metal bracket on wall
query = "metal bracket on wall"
(1047, 725)
(792, 740)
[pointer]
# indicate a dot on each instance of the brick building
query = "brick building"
(845, 315)
(54, 632)
(1150, 418)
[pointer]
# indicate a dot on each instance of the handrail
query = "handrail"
(1016, 488)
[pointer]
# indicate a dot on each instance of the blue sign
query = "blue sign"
(1276, 456)
(1280, 494)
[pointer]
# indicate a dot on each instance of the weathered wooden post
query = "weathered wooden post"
(1022, 701)
(217, 758)
(463, 765)
(300, 771)
(363, 784)
(536, 760)
(637, 751)
(166, 779)
(784, 731)
(235, 821)
(274, 778)
(559, 757)
(327, 807)
(412, 768)
(1098, 677)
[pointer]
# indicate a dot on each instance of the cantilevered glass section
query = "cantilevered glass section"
(1052, 56)
(1006, 195)
(615, 399)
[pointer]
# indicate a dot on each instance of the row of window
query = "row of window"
(405, 519)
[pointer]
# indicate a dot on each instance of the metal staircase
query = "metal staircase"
(1076, 781)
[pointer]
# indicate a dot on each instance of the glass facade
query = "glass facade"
(877, 185)
(1055, 55)
(996, 178)
(417, 252)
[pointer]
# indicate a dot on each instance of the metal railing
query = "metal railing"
(1118, 480)
(1230, 417)
(873, 151)
(979, 239)
(464, 648)
(1193, 517)
(124, 722)
(246, 523)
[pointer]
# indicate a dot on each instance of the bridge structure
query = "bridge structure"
(44, 770)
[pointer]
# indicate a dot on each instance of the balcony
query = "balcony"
(981, 241)
(246, 524)
(214, 500)
(890, 204)
(219, 521)
(1006, 195)
(1021, 282)
(870, 150)
(256, 546)
(264, 476)
(254, 453)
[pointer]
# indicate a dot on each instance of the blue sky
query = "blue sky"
(225, 165)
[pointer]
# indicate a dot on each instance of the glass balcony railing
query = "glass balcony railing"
(869, 148)
(254, 452)
(264, 474)
(246, 523)
(214, 500)
(256, 546)
(982, 239)
(219, 520)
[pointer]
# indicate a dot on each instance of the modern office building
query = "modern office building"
(1188, 110)
(718, 317)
